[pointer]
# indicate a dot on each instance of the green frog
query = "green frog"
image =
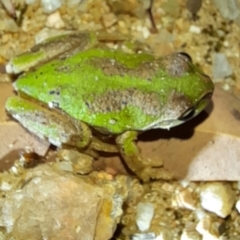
(75, 91)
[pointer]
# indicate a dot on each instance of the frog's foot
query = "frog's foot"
(145, 169)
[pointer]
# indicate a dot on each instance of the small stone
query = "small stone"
(75, 161)
(200, 213)
(50, 6)
(55, 21)
(208, 229)
(184, 183)
(8, 25)
(221, 68)
(190, 235)
(145, 212)
(168, 187)
(164, 235)
(109, 19)
(218, 198)
(194, 29)
(229, 9)
(143, 236)
(185, 200)
(238, 206)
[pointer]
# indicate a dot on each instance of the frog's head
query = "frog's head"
(187, 91)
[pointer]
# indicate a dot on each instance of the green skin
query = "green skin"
(115, 93)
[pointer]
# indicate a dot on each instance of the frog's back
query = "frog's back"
(115, 91)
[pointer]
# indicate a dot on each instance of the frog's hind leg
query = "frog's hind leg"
(145, 169)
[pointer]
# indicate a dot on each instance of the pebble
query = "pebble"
(238, 206)
(145, 212)
(221, 68)
(185, 200)
(207, 229)
(190, 235)
(194, 29)
(50, 6)
(218, 198)
(9, 25)
(143, 236)
(164, 235)
(229, 9)
(109, 19)
(54, 20)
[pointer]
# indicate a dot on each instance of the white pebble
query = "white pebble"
(50, 6)
(218, 198)
(145, 212)
(238, 206)
(143, 236)
(54, 20)
(184, 183)
(145, 32)
(194, 29)
(164, 235)
(200, 213)
(229, 9)
(221, 68)
(5, 186)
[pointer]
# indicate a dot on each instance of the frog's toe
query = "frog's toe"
(149, 173)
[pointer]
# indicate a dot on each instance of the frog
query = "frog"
(76, 91)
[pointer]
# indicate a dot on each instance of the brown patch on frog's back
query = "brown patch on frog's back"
(111, 67)
(117, 100)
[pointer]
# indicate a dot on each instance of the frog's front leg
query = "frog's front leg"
(145, 169)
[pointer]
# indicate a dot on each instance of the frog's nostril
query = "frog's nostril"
(189, 113)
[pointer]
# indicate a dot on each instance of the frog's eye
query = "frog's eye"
(186, 56)
(188, 114)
